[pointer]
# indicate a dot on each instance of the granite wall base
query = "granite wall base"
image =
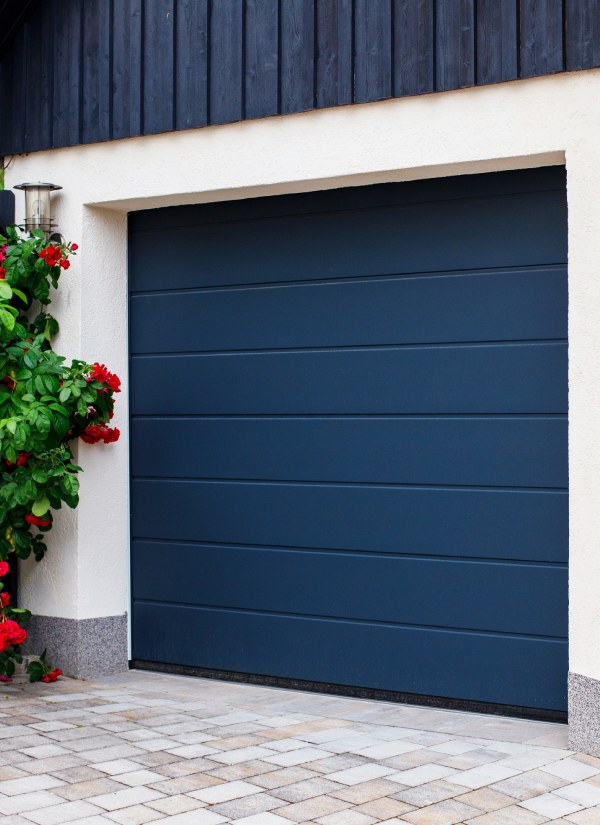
(584, 714)
(83, 648)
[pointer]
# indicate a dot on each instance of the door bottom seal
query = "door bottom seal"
(441, 702)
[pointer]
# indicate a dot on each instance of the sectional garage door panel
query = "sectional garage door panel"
(415, 658)
(243, 576)
(489, 451)
(456, 521)
(349, 438)
(511, 230)
(496, 305)
(525, 377)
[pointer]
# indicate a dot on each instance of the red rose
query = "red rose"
(3, 568)
(4, 599)
(100, 373)
(111, 435)
(35, 520)
(51, 254)
(74, 246)
(16, 634)
(23, 459)
(2, 273)
(52, 676)
(64, 264)
(92, 434)
(98, 432)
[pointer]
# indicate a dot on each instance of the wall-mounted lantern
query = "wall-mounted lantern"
(38, 205)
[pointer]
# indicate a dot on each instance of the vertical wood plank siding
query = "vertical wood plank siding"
(127, 68)
(541, 37)
(81, 71)
(297, 42)
(496, 36)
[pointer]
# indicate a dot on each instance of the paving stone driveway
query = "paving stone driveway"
(145, 747)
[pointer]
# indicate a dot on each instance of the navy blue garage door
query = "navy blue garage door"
(349, 437)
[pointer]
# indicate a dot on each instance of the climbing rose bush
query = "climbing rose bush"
(46, 405)
(12, 634)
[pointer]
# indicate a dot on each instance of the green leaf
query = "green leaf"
(57, 408)
(5, 291)
(43, 424)
(20, 294)
(21, 436)
(70, 485)
(51, 383)
(65, 394)
(41, 506)
(51, 328)
(6, 319)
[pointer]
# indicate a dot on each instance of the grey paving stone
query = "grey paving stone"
(300, 791)
(29, 784)
(582, 793)
(550, 805)
(140, 777)
(366, 791)
(385, 808)
(313, 808)
(123, 799)
(106, 754)
(249, 806)
(83, 790)
(529, 784)
(429, 793)
(263, 819)
(67, 812)
(135, 815)
(178, 804)
(51, 765)
(186, 784)
(198, 817)
(82, 773)
(286, 776)
(360, 773)
(28, 802)
(338, 763)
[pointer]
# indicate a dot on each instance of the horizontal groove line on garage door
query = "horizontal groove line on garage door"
(350, 620)
(353, 348)
(387, 276)
(386, 485)
(351, 552)
(366, 416)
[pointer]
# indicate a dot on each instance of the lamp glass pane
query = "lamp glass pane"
(37, 207)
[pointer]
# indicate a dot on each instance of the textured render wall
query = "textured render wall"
(527, 123)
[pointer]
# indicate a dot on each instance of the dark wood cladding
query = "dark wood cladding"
(82, 71)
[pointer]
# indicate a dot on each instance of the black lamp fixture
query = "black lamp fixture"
(38, 206)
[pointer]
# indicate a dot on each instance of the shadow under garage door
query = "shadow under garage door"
(349, 437)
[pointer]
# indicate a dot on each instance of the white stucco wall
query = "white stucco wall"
(550, 120)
